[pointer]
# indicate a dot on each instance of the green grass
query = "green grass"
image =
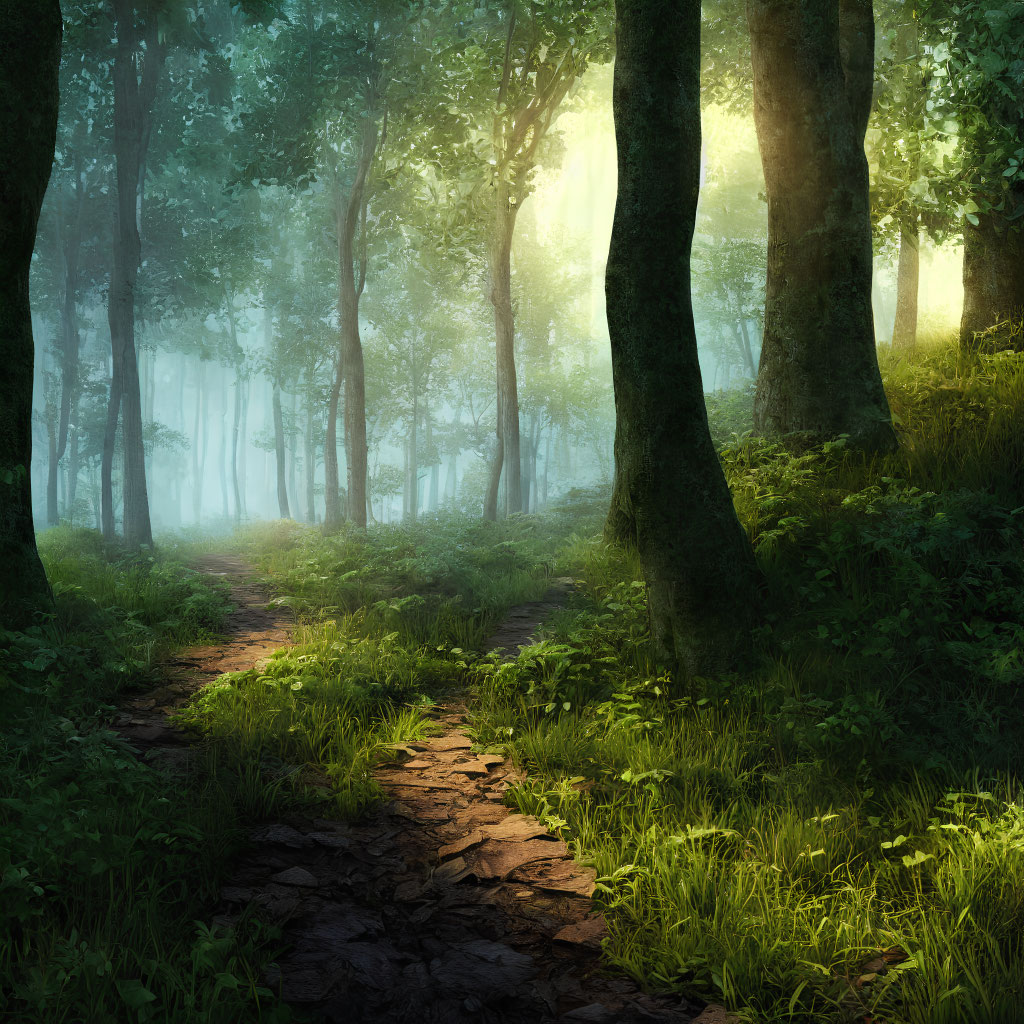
(107, 873)
(758, 838)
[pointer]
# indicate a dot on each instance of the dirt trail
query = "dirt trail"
(442, 905)
(252, 631)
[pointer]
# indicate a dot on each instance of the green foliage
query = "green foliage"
(105, 871)
(757, 840)
(760, 840)
(443, 580)
(331, 704)
(730, 413)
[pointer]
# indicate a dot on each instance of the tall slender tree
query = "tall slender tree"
(670, 495)
(546, 48)
(812, 62)
(29, 62)
(138, 62)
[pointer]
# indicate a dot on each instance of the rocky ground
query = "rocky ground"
(440, 906)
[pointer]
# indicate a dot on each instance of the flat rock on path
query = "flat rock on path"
(442, 906)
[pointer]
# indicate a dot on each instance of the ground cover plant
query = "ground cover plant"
(763, 839)
(389, 621)
(834, 835)
(107, 874)
(470, 267)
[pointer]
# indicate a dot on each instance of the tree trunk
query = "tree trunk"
(497, 461)
(435, 469)
(28, 127)
(904, 330)
(993, 274)
(243, 444)
(412, 507)
(236, 424)
(451, 477)
(812, 64)
(350, 368)
(74, 462)
(310, 456)
(332, 485)
(109, 440)
(748, 349)
(69, 342)
(133, 101)
(293, 449)
(199, 454)
(700, 572)
(547, 462)
(223, 440)
(508, 449)
(279, 452)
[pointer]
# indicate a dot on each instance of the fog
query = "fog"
(237, 289)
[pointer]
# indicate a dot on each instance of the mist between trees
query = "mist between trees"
(271, 224)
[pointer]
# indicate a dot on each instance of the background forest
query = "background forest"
(278, 156)
(394, 305)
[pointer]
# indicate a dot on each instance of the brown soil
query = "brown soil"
(442, 905)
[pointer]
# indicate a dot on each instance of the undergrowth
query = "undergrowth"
(107, 873)
(758, 839)
(761, 840)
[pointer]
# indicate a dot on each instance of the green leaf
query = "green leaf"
(134, 993)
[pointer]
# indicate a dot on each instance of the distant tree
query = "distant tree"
(670, 497)
(28, 126)
(812, 62)
(532, 58)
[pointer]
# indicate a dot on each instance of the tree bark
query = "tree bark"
(279, 453)
(74, 461)
(350, 369)
(28, 127)
(243, 444)
(133, 102)
(507, 452)
(109, 439)
(515, 137)
(310, 453)
(697, 561)
(904, 329)
(223, 441)
(236, 424)
(412, 481)
(497, 462)
(69, 341)
(993, 275)
(818, 375)
(199, 452)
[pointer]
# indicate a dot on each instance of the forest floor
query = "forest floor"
(441, 904)
(362, 790)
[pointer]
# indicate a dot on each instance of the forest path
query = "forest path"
(441, 905)
(251, 631)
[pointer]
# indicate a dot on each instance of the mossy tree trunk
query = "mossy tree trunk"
(993, 274)
(670, 492)
(29, 59)
(812, 64)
